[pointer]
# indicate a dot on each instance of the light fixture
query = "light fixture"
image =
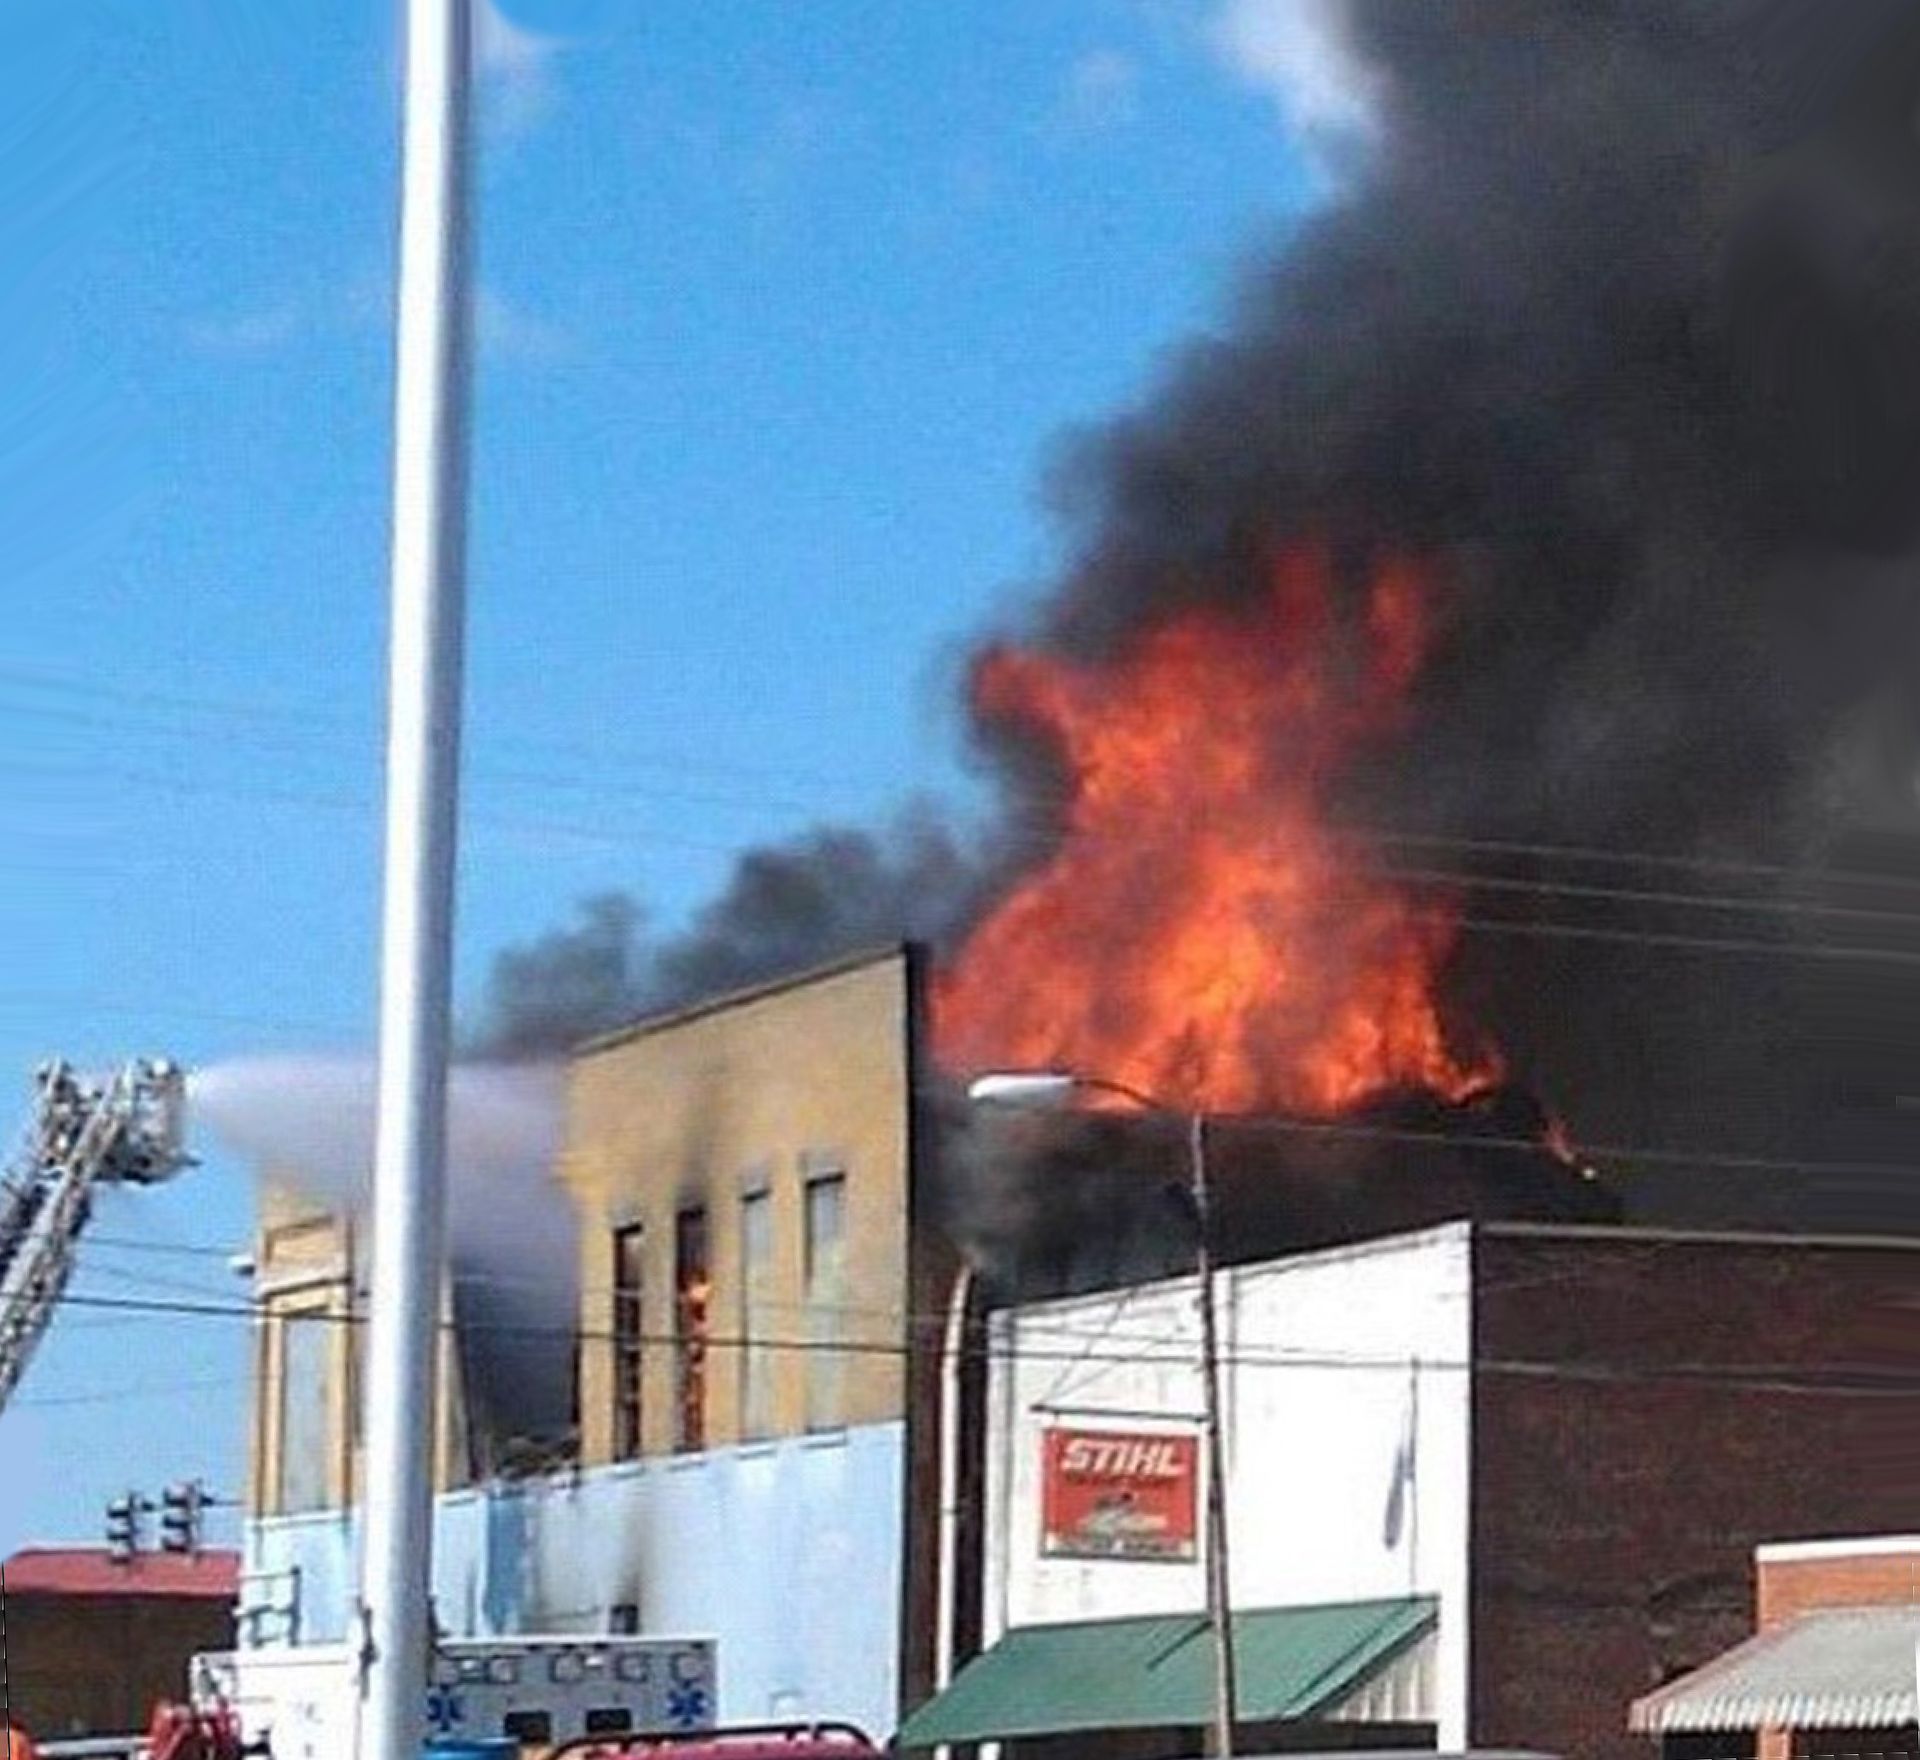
(1032, 1090)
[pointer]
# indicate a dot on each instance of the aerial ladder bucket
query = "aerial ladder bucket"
(126, 1128)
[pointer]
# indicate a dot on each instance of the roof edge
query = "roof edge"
(721, 1001)
(1808, 1551)
(1697, 1702)
(1628, 1235)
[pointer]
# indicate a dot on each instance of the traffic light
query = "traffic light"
(123, 1527)
(180, 1507)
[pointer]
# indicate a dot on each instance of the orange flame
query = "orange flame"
(1200, 931)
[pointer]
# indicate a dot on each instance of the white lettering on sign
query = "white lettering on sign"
(1090, 1457)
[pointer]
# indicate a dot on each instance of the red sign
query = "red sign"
(1118, 1494)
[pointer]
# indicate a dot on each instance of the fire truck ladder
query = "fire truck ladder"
(122, 1129)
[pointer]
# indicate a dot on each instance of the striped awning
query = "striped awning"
(1155, 1671)
(1839, 1668)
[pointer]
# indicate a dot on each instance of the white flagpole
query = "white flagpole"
(423, 743)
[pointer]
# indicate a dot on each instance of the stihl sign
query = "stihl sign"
(1108, 1494)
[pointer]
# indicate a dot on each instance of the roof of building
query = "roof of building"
(93, 1571)
(1643, 1234)
(1462, 1229)
(1832, 1551)
(1838, 1668)
(743, 996)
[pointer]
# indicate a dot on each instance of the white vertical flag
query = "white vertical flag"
(1405, 1466)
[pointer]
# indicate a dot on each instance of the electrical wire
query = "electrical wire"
(1833, 1379)
(682, 764)
(127, 1395)
(1464, 882)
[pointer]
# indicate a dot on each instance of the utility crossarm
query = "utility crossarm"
(85, 1132)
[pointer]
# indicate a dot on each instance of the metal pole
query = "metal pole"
(946, 1612)
(1219, 1596)
(423, 753)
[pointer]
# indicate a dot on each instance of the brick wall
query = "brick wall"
(1647, 1411)
(95, 1665)
(1786, 1587)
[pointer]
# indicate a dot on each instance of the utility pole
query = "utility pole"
(1219, 1592)
(423, 762)
(1044, 1089)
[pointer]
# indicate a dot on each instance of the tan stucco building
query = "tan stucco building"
(757, 1336)
(311, 1272)
(745, 1170)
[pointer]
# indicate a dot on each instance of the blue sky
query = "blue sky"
(783, 308)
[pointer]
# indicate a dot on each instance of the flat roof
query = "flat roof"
(1701, 1237)
(92, 1573)
(1816, 1551)
(740, 998)
(1465, 1228)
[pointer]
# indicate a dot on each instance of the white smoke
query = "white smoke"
(512, 1238)
(1302, 53)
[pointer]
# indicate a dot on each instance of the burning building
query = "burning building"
(1469, 663)
(1434, 764)
(768, 1196)
(745, 1189)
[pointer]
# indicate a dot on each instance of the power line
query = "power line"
(681, 764)
(1352, 885)
(332, 723)
(1816, 950)
(1465, 880)
(117, 1006)
(1670, 860)
(180, 1249)
(1834, 1380)
(1626, 1153)
(126, 1395)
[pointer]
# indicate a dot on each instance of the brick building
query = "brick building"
(1532, 1462)
(1763, 1397)
(93, 1643)
(1830, 1669)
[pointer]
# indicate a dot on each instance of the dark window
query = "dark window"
(826, 1297)
(623, 1620)
(609, 1720)
(533, 1729)
(306, 1411)
(692, 1304)
(756, 1315)
(629, 1341)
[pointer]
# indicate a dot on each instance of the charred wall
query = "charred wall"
(1062, 1204)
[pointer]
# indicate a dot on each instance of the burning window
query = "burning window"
(628, 1340)
(756, 1313)
(826, 1260)
(692, 1300)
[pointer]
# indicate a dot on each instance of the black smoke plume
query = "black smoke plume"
(785, 907)
(1617, 325)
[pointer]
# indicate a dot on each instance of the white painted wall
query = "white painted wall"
(786, 1554)
(1330, 1358)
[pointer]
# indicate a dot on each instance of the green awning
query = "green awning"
(1157, 1672)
